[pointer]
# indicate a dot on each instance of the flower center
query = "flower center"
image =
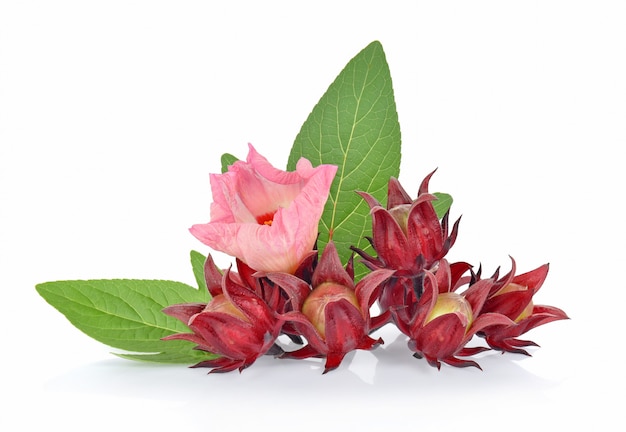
(266, 218)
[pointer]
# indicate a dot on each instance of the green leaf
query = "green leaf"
(227, 160)
(354, 126)
(197, 264)
(127, 314)
(442, 203)
(193, 356)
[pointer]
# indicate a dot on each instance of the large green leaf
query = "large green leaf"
(127, 314)
(197, 265)
(354, 126)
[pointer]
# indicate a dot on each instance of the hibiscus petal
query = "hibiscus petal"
(266, 217)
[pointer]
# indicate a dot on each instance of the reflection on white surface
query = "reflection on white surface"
(384, 387)
(388, 367)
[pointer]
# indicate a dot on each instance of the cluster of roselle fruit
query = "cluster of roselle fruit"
(439, 306)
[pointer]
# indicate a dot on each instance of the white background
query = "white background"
(112, 115)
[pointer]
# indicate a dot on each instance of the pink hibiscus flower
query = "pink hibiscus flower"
(266, 217)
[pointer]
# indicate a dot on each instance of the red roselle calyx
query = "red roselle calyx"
(236, 324)
(314, 307)
(332, 313)
(442, 322)
(408, 238)
(513, 296)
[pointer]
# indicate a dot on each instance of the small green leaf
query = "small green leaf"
(197, 264)
(227, 160)
(127, 313)
(354, 126)
(442, 203)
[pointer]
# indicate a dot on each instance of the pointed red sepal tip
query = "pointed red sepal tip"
(512, 346)
(369, 199)
(456, 362)
(305, 352)
(185, 311)
(396, 194)
(330, 269)
(333, 360)
(424, 185)
(434, 363)
(466, 352)
(219, 365)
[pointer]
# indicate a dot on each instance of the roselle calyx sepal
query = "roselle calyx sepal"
(442, 321)
(332, 313)
(236, 324)
(512, 295)
(408, 238)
